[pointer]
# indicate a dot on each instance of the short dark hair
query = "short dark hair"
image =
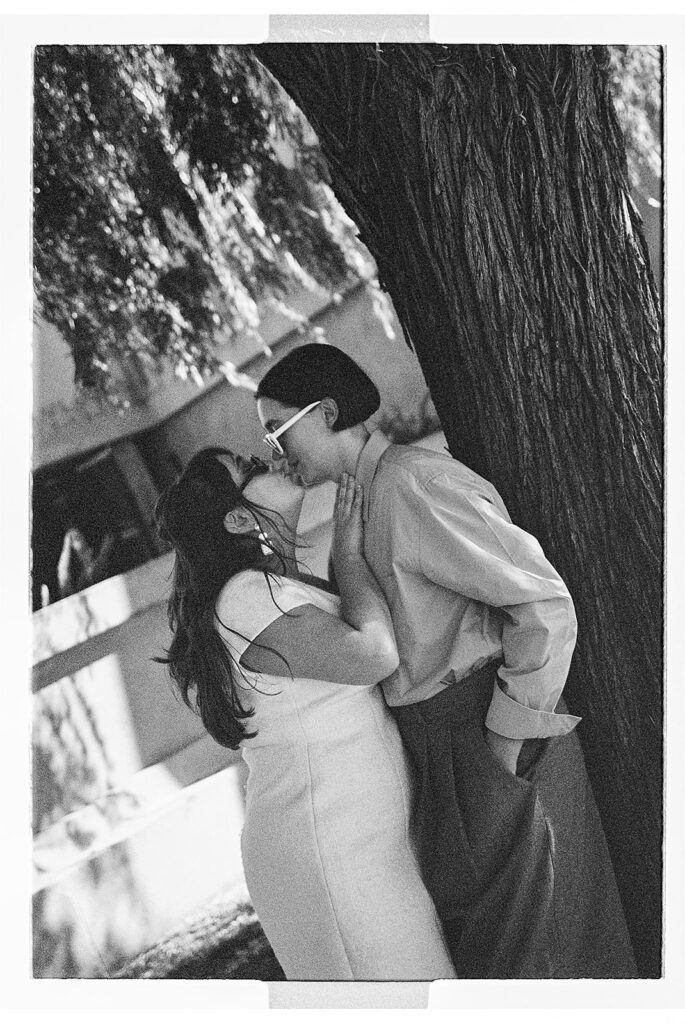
(316, 371)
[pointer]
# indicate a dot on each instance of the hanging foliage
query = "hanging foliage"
(176, 188)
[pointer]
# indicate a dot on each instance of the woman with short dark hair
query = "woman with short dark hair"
(509, 839)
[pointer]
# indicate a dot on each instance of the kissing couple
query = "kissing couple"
(417, 805)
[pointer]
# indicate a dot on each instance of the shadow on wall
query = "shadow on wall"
(68, 942)
(71, 770)
(136, 812)
(71, 766)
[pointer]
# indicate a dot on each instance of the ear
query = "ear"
(330, 412)
(239, 520)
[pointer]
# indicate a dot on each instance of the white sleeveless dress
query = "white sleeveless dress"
(328, 860)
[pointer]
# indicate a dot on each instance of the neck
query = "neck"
(351, 449)
(284, 542)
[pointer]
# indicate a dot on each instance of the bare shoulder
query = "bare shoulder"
(246, 580)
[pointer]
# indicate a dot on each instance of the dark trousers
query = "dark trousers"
(517, 865)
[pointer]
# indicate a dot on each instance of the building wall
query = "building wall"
(227, 415)
(67, 423)
(130, 458)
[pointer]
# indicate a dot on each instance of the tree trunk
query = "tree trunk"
(489, 183)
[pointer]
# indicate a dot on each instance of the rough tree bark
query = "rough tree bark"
(489, 183)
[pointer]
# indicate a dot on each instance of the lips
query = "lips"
(259, 464)
(257, 467)
(291, 473)
(251, 468)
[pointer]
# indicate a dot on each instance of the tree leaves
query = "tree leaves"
(175, 188)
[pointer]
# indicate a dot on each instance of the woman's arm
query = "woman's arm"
(362, 603)
(356, 649)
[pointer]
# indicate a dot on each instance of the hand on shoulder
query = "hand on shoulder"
(348, 530)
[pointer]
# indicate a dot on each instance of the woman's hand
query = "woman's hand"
(348, 532)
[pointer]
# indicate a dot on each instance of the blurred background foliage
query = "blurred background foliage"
(636, 84)
(178, 192)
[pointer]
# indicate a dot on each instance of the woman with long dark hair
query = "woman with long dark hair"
(287, 671)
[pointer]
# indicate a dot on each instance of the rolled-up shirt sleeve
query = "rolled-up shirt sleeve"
(467, 543)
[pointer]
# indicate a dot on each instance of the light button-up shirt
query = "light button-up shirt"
(465, 586)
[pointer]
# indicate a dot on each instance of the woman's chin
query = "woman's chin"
(296, 479)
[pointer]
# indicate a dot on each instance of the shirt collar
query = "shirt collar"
(368, 462)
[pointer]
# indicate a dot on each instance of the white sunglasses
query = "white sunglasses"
(272, 439)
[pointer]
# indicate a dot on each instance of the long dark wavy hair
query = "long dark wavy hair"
(189, 516)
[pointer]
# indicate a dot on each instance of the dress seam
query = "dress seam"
(408, 796)
(321, 861)
(293, 698)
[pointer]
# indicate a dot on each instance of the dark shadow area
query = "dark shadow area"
(86, 527)
(222, 941)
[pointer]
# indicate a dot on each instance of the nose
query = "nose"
(277, 459)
